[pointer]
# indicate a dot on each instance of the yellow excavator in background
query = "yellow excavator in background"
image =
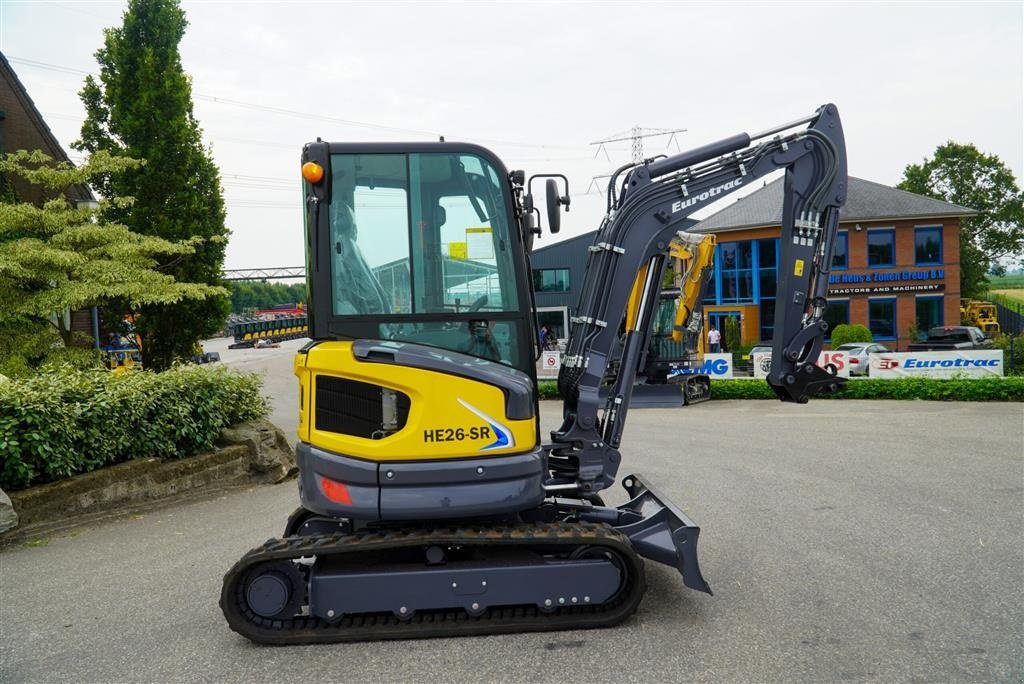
(430, 504)
(671, 373)
(981, 314)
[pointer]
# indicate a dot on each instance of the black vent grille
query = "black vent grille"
(356, 408)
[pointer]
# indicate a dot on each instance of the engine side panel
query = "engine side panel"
(442, 415)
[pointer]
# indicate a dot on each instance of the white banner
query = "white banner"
(837, 359)
(716, 365)
(944, 364)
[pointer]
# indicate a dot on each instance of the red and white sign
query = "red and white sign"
(837, 361)
(551, 360)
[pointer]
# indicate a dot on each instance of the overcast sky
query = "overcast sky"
(537, 82)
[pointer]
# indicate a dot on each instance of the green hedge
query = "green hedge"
(67, 421)
(931, 389)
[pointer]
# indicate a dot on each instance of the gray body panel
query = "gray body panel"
(421, 490)
(471, 586)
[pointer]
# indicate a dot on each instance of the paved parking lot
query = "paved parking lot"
(844, 540)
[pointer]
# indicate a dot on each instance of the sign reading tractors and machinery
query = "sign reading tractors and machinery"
(939, 364)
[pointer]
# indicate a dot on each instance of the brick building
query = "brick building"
(896, 263)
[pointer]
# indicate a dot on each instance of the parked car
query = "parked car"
(953, 338)
(857, 353)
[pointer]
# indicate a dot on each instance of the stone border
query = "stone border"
(251, 453)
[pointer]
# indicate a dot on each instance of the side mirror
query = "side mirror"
(554, 202)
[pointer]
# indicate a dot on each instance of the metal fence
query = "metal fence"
(1010, 315)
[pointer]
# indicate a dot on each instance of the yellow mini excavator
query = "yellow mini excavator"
(430, 504)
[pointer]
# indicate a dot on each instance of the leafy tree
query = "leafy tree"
(964, 175)
(59, 257)
(141, 107)
(262, 295)
(844, 333)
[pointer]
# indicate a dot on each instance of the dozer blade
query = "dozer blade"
(658, 530)
(656, 396)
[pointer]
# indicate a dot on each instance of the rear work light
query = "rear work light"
(335, 491)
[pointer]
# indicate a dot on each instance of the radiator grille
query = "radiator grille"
(355, 408)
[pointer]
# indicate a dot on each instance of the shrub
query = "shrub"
(1013, 352)
(845, 333)
(931, 389)
(731, 334)
(66, 421)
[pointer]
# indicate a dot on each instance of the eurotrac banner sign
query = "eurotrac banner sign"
(938, 364)
(718, 366)
(835, 362)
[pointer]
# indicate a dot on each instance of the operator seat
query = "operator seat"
(356, 289)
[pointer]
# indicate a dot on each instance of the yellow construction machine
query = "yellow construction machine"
(430, 503)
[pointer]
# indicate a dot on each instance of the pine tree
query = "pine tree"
(141, 107)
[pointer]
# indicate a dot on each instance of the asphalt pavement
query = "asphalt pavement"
(844, 540)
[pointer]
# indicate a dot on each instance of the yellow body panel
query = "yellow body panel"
(441, 421)
(633, 304)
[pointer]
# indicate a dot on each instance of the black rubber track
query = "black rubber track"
(436, 623)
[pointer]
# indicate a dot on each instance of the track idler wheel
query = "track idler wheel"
(275, 590)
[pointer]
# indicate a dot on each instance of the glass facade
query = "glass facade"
(767, 279)
(746, 274)
(736, 272)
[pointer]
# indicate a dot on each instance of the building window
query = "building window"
(736, 262)
(836, 313)
(551, 280)
(882, 318)
(928, 246)
(882, 247)
(767, 274)
(840, 259)
(929, 312)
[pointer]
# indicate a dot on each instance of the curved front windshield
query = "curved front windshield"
(424, 233)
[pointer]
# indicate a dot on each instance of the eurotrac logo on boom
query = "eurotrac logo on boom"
(707, 194)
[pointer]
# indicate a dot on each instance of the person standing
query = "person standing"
(714, 340)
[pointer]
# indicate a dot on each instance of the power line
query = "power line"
(302, 115)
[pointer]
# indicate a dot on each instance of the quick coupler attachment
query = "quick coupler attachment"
(800, 385)
(656, 528)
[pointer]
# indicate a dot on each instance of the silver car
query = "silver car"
(857, 353)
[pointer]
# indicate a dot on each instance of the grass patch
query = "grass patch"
(1006, 282)
(1015, 295)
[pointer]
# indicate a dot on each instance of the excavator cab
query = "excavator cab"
(418, 244)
